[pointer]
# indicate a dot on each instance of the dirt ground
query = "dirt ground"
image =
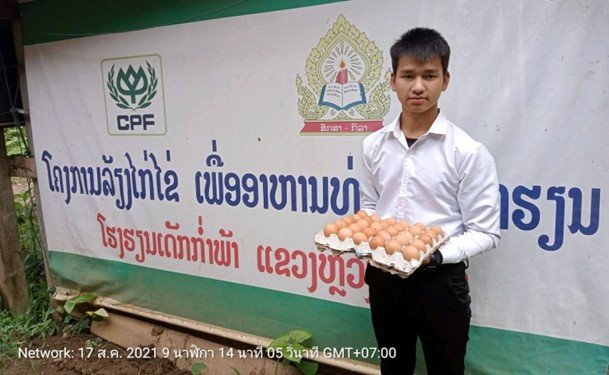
(19, 185)
(76, 347)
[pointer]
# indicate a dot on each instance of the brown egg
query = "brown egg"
(420, 245)
(405, 224)
(385, 224)
(431, 234)
(410, 252)
(330, 229)
(408, 234)
(355, 228)
(391, 221)
(425, 238)
(375, 217)
(362, 214)
(393, 230)
(340, 224)
(369, 232)
(384, 235)
(359, 237)
(376, 242)
(437, 229)
(404, 238)
(376, 226)
(415, 231)
(421, 226)
(348, 220)
(345, 233)
(363, 223)
(392, 246)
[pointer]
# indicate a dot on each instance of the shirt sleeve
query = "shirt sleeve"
(478, 198)
(368, 193)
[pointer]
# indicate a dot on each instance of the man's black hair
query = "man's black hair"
(422, 44)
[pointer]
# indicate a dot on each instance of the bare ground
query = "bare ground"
(79, 347)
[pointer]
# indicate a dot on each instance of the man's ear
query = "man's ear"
(446, 80)
(393, 82)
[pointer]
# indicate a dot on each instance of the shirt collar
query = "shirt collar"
(439, 126)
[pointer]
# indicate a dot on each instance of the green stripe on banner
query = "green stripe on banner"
(496, 351)
(47, 21)
(270, 313)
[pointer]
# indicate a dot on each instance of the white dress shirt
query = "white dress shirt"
(446, 178)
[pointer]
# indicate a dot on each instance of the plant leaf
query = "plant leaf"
(279, 342)
(307, 367)
(197, 368)
(299, 348)
(292, 354)
(237, 372)
(99, 314)
(81, 298)
(299, 336)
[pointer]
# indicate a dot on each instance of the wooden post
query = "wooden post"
(13, 286)
(29, 166)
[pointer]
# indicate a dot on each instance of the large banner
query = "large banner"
(187, 167)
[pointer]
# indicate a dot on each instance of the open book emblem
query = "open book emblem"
(344, 92)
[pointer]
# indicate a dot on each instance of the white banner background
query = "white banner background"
(528, 79)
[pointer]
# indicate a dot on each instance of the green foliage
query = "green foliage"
(93, 343)
(29, 235)
(292, 348)
(197, 368)
(76, 325)
(99, 314)
(80, 325)
(79, 299)
(16, 330)
(16, 141)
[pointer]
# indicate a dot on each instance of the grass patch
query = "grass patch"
(16, 330)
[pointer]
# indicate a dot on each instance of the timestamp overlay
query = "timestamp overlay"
(196, 352)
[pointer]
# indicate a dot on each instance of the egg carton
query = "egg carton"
(397, 265)
(340, 247)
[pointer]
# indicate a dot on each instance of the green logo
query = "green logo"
(133, 89)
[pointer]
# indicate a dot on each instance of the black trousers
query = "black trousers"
(433, 305)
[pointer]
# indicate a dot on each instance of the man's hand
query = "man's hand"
(434, 259)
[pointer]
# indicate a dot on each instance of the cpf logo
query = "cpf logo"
(133, 91)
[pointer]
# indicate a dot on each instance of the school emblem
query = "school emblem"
(344, 93)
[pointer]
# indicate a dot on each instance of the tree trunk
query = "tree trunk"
(13, 286)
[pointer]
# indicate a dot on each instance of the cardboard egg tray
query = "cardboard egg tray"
(394, 263)
(340, 247)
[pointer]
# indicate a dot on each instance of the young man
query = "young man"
(423, 168)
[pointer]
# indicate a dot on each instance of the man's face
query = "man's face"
(419, 84)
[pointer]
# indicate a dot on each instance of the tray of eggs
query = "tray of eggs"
(395, 246)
